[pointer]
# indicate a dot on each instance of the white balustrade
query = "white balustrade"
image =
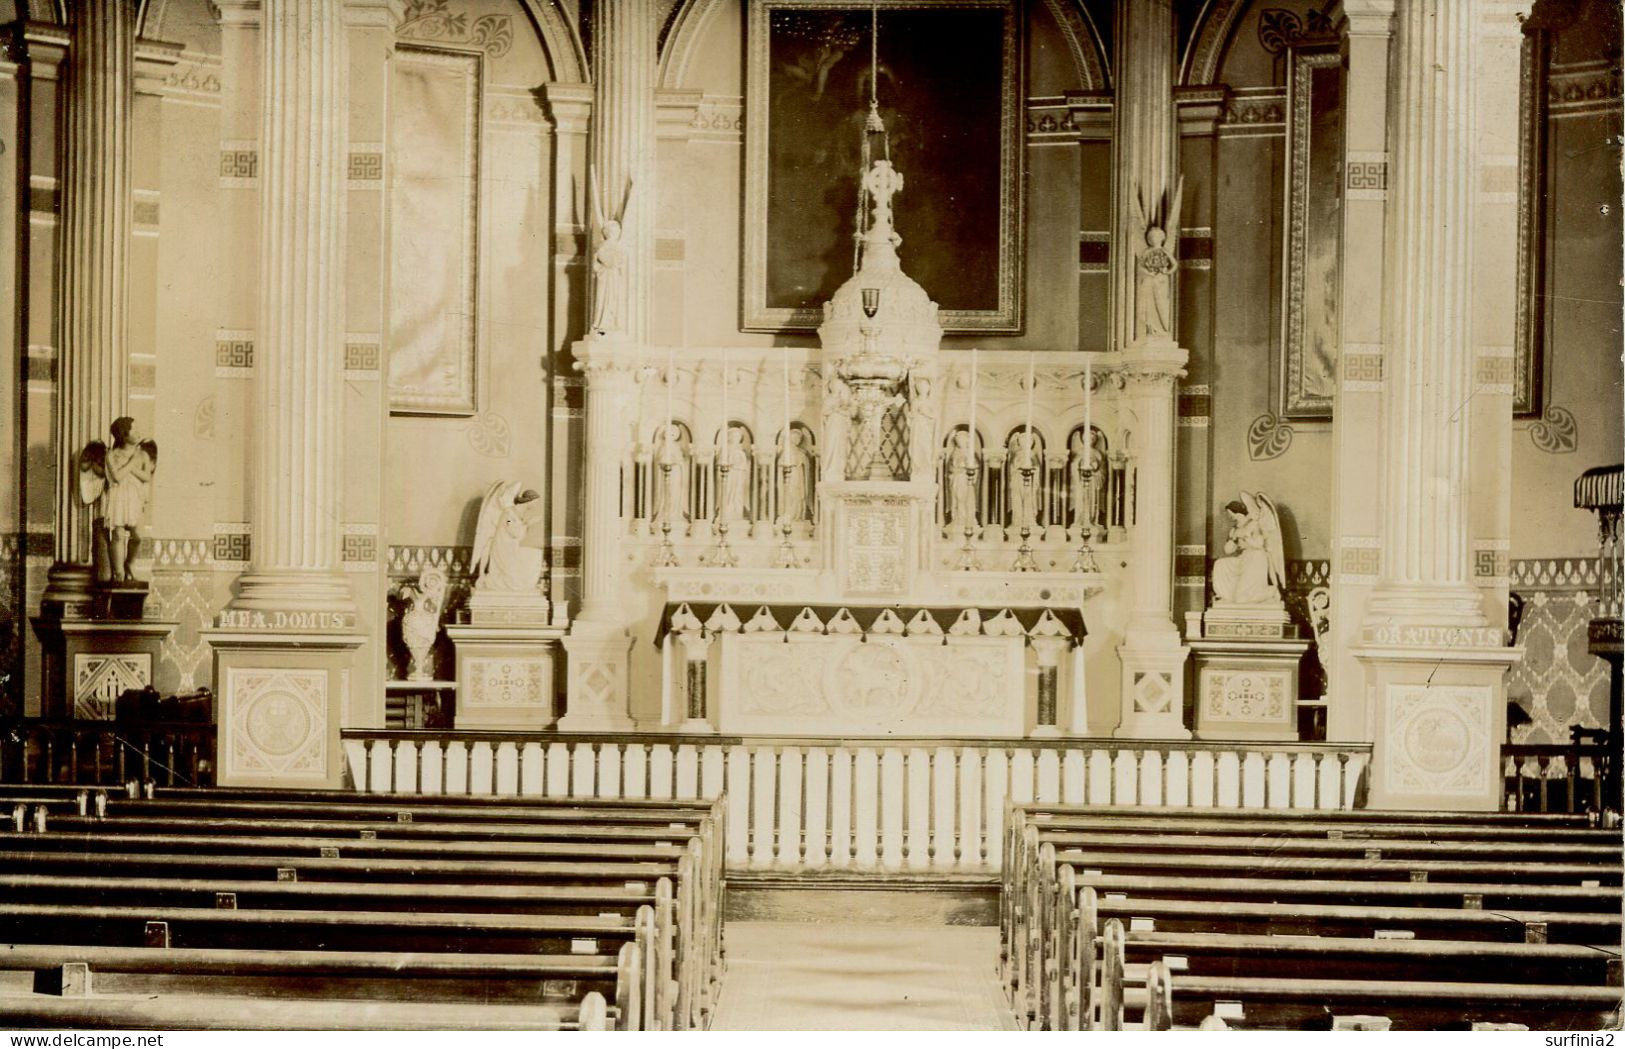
(863, 805)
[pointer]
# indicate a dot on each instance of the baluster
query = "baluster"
(1176, 779)
(1353, 772)
(1252, 781)
(688, 772)
(532, 769)
(1303, 781)
(1329, 781)
(456, 766)
(866, 801)
(995, 795)
(1048, 773)
(713, 771)
(764, 787)
(481, 773)
(944, 807)
(607, 769)
(432, 779)
(506, 780)
(916, 807)
(662, 771)
(842, 777)
(1126, 777)
(739, 794)
(380, 766)
(1278, 785)
(891, 799)
(1150, 778)
(790, 813)
(968, 853)
(1227, 780)
(1074, 777)
(581, 769)
(1023, 780)
(815, 778)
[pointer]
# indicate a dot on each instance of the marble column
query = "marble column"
(621, 179)
(93, 270)
(283, 647)
(1435, 667)
(1145, 134)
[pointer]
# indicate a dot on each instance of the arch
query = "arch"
(1214, 26)
(681, 37)
(561, 41)
(1083, 40)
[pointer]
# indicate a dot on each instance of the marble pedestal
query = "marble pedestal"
(86, 663)
(599, 659)
(505, 674)
(1247, 689)
(282, 697)
(1437, 715)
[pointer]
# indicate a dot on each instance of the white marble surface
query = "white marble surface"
(793, 976)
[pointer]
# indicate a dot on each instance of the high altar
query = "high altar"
(877, 536)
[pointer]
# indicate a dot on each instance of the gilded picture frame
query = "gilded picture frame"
(1311, 254)
(950, 92)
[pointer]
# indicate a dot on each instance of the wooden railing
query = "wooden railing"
(1556, 777)
(862, 804)
(170, 754)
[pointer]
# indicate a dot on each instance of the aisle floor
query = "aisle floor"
(795, 976)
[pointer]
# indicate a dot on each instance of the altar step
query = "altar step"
(886, 805)
(863, 898)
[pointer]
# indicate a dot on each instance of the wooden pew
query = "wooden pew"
(509, 979)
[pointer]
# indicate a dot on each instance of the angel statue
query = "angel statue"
(420, 622)
(962, 471)
(1024, 467)
(505, 562)
(1155, 264)
(609, 264)
(671, 478)
(733, 468)
(1088, 477)
(1255, 569)
(116, 481)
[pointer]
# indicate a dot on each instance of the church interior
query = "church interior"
(811, 514)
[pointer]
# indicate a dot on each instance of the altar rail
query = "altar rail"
(862, 804)
(107, 753)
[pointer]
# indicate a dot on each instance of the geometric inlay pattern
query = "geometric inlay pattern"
(507, 682)
(276, 722)
(1245, 695)
(99, 679)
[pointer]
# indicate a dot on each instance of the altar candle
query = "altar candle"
(1032, 380)
(723, 439)
(1088, 405)
(787, 404)
(973, 399)
(671, 381)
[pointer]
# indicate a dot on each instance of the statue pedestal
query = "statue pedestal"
(599, 662)
(1246, 672)
(1243, 622)
(86, 663)
(505, 674)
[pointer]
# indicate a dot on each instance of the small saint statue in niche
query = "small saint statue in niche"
(733, 470)
(837, 409)
(962, 468)
(671, 478)
(1023, 468)
(117, 481)
(420, 621)
(922, 429)
(1155, 265)
(609, 263)
(506, 560)
(795, 502)
(1088, 478)
(1254, 569)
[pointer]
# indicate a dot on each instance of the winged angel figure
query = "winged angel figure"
(609, 263)
(505, 563)
(1255, 569)
(116, 481)
(1155, 264)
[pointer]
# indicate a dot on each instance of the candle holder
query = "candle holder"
(666, 556)
(968, 561)
(723, 555)
(787, 551)
(1024, 554)
(1085, 559)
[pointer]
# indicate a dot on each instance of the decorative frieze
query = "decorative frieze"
(239, 164)
(233, 354)
(1361, 368)
(1359, 560)
(1366, 175)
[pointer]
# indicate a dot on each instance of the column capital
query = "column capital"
(238, 14)
(1365, 17)
(1153, 364)
(568, 105)
(608, 362)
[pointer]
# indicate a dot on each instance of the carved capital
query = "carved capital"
(567, 105)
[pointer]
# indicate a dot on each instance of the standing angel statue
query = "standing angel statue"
(1155, 264)
(962, 477)
(1088, 476)
(609, 263)
(1024, 468)
(1255, 569)
(420, 622)
(506, 564)
(116, 481)
(735, 479)
(670, 478)
(795, 478)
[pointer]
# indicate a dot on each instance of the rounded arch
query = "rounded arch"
(561, 42)
(681, 37)
(1214, 26)
(1084, 42)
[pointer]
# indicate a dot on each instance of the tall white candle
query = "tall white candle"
(786, 404)
(1088, 406)
(723, 433)
(1032, 380)
(973, 399)
(671, 381)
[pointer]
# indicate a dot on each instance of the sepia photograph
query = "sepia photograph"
(810, 515)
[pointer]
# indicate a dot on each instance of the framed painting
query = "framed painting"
(949, 88)
(1310, 316)
(434, 230)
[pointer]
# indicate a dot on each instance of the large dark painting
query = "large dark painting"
(948, 86)
(1314, 220)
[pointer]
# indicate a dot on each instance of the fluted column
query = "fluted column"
(610, 404)
(623, 142)
(296, 509)
(92, 276)
(1427, 321)
(1144, 168)
(1144, 135)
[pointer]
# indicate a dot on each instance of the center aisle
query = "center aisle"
(803, 976)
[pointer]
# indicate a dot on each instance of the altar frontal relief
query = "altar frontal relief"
(433, 251)
(948, 90)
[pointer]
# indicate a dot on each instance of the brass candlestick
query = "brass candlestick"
(1024, 555)
(723, 556)
(1085, 560)
(666, 556)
